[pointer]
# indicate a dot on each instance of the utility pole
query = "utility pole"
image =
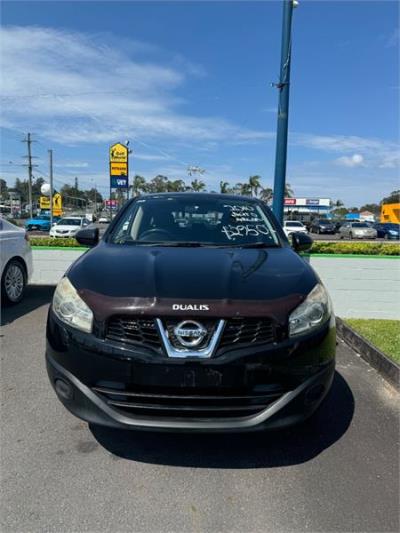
(51, 186)
(29, 141)
(283, 110)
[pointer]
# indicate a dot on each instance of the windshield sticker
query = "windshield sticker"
(245, 230)
(244, 213)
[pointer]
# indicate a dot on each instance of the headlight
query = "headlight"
(69, 307)
(312, 313)
(392, 232)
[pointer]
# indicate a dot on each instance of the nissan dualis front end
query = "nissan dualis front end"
(192, 313)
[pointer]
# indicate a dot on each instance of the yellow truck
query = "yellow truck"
(390, 213)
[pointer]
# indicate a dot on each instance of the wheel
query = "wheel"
(13, 282)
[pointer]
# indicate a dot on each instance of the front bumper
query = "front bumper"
(242, 390)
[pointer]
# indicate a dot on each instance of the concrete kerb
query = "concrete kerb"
(387, 368)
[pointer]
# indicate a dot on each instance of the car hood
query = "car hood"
(37, 221)
(62, 227)
(147, 280)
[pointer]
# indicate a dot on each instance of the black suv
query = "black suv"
(322, 226)
(193, 312)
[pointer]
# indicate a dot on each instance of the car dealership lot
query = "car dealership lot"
(59, 475)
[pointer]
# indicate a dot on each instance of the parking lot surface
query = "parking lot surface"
(337, 472)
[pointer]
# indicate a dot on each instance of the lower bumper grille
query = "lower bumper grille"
(186, 404)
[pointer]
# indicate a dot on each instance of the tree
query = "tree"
(176, 186)
(3, 189)
(266, 194)
(393, 198)
(197, 185)
(245, 189)
(21, 187)
(373, 208)
(138, 185)
(339, 212)
(158, 184)
(288, 191)
(224, 187)
(255, 184)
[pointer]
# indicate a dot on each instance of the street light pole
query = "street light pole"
(283, 111)
(51, 186)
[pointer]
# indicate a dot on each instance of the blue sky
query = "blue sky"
(189, 84)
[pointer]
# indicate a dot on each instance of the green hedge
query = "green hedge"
(357, 248)
(48, 241)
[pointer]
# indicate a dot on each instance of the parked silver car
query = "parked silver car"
(357, 230)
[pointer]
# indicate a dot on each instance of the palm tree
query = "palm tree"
(176, 186)
(197, 185)
(255, 184)
(224, 187)
(266, 194)
(245, 189)
(138, 185)
(288, 191)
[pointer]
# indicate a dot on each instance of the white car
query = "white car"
(291, 226)
(68, 226)
(15, 262)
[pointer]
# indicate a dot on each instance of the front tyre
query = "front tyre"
(13, 282)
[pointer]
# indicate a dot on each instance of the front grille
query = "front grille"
(238, 332)
(130, 330)
(247, 331)
(184, 404)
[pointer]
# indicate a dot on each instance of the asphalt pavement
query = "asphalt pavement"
(337, 472)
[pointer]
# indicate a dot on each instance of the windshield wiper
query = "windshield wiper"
(254, 245)
(167, 243)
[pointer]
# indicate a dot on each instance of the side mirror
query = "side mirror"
(301, 242)
(88, 236)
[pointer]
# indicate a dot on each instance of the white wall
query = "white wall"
(359, 287)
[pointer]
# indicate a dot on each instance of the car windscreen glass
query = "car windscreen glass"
(360, 225)
(69, 222)
(194, 221)
(391, 226)
(294, 224)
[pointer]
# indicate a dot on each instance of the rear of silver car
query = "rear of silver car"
(364, 233)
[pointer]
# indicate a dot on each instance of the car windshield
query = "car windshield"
(194, 221)
(360, 225)
(293, 224)
(391, 226)
(324, 222)
(43, 217)
(69, 222)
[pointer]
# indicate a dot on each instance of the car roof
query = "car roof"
(202, 195)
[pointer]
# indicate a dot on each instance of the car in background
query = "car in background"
(322, 226)
(40, 223)
(68, 226)
(103, 220)
(357, 230)
(292, 226)
(15, 262)
(388, 230)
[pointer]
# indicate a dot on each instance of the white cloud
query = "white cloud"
(352, 161)
(151, 157)
(74, 88)
(374, 152)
